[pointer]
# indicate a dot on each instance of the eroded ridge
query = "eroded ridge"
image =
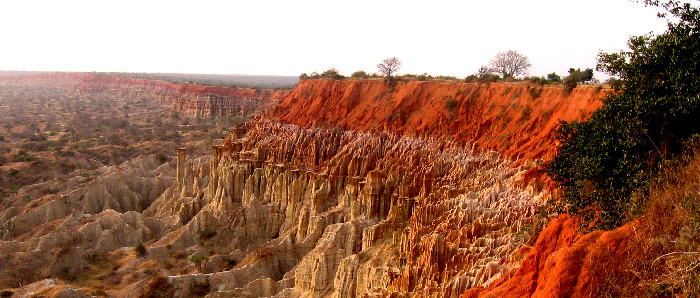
(327, 212)
(284, 211)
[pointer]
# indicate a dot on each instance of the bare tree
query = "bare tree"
(389, 66)
(510, 64)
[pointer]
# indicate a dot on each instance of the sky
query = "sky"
(292, 37)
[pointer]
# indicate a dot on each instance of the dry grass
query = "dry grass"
(663, 260)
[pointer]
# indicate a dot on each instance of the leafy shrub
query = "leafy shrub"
(571, 81)
(360, 74)
(140, 249)
(654, 114)
(535, 92)
(333, 74)
(159, 286)
(537, 80)
(207, 234)
(424, 77)
(554, 77)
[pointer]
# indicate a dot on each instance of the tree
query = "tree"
(554, 77)
(572, 80)
(587, 75)
(199, 260)
(485, 74)
(650, 119)
(389, 66)
(510, 64)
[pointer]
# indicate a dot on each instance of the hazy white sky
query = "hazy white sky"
(291, 37)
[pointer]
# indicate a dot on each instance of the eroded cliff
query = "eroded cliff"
(346, 189)
(515, 119)
(340, 213)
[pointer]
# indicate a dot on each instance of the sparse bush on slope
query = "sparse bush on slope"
(654, 112)
(663, 260)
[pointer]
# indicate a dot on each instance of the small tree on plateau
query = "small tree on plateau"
(389, 66)
(510, 64)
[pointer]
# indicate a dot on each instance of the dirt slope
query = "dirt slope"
(564, 263)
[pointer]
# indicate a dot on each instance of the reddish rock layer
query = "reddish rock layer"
(516, 119)
(563, 263)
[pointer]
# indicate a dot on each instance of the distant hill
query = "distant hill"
(221, 80)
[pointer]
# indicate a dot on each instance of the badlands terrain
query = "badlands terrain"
(128, 187)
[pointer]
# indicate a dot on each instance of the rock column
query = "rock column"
(181, 154)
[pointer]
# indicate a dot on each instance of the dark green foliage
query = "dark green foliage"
(139, 249)
(303, 76)
(571, 81)
(577, 76)
(535, 92)
(203, 235)
(360, 74)
(471, 79)
(554, 77)
(333, 74)
(656, 110)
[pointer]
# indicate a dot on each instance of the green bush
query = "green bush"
(554, 77)
(360, 74)
(140, 249)
(207, 234)
(333, 74)
(654, 114)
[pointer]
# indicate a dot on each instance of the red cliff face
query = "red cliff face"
(563, 263)
(515, 119)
